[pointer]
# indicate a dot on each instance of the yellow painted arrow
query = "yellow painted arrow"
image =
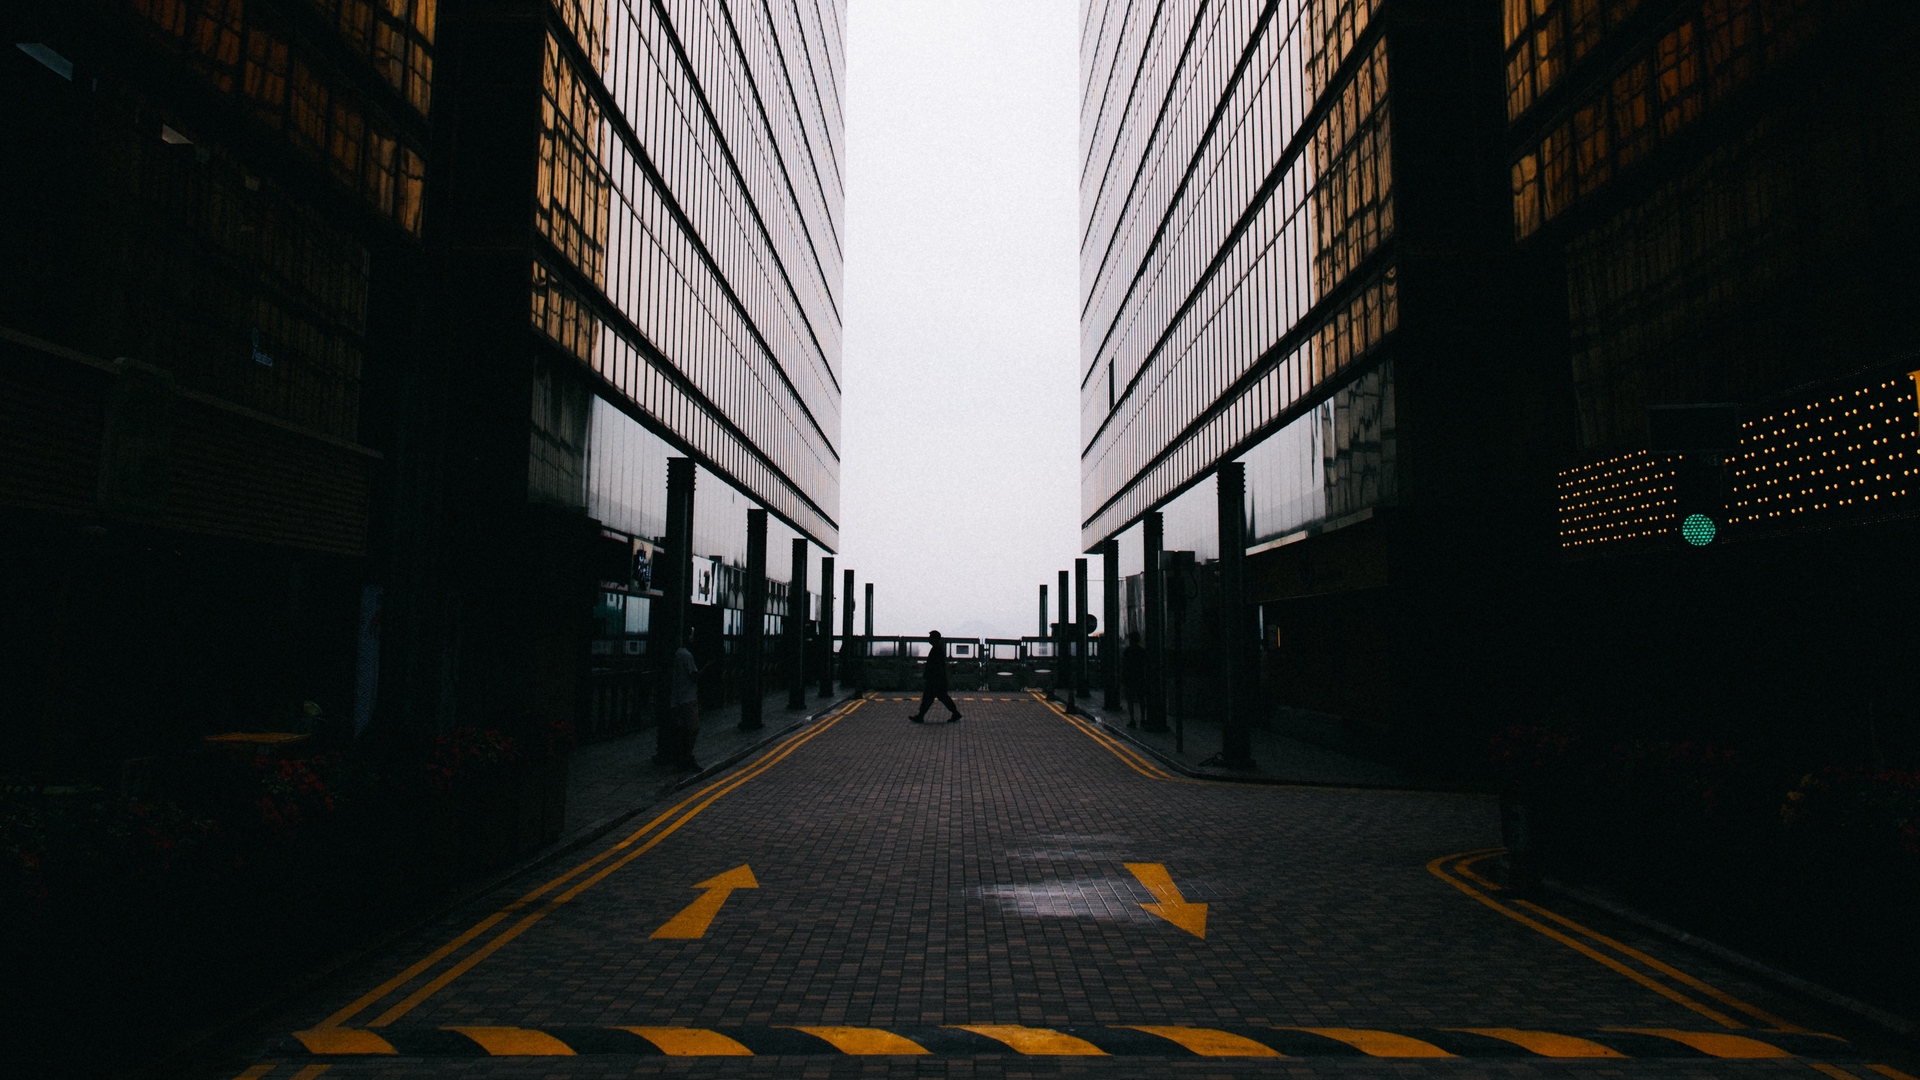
(1172, 906)
(693, 920)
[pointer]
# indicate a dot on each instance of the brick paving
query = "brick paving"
(919, 876)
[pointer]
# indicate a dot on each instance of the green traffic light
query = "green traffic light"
(1698, 530)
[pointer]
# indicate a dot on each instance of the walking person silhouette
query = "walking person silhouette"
(936, 684)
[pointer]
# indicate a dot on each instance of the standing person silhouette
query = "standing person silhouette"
(936, 684)
(1133, 677)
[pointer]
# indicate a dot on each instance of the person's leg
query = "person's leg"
(926, 702)
(953, 713)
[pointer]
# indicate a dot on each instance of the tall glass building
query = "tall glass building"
(1292, 257)
(1721, 195)
(639, 211)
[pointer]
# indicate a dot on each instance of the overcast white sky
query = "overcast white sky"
(959, 470)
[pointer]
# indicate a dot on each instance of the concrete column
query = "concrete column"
(1156, 612)
(797, 628)
(826, 626)
(849, 650)
(669, 620)
(866, 643)
(1111, 643)
(752, 651)
(1062, 644)
(1236, 744)
(1080, 629)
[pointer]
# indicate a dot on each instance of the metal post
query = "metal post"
(1080, 629)
(752, 636)
(826, 626)
(847, 650)
(797, 628)
(1156, 719)
(1236, 736)
(1112, 641)
(669, 618)
(1043, 611)
(1062, 634)
(866, 642)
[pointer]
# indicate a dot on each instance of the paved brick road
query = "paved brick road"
(915, 878)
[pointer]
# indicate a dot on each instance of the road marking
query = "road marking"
(310, 1072)
(654, 831)
(693, 920)
(691, 1042)
(1207, 1042)
(1834, 1071)
(255, 1072)
(1717, 994)
(1714, 1043)
(1465, 869)
(1546, 1043)
(1379, 1043)
(337, 1040)
(1172, 907)
(1889, 1071)
(1126, 754)
(1580, 947)
(515, 1042)
(970, 1041)
(861, 1041)
(1035, 1041)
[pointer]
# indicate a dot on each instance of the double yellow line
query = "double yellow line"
(1589, 943)
(547, 898)
(1133, 759)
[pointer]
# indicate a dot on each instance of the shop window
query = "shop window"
(168, 15)
(1632, 127)
(349, 136)
(310, 103)
(1526, 197)
(381, 162)
(1678, 77)
(265, 80)
(1590, 144)
(1729, 27)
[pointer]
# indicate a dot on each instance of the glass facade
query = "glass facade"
(1661, 74)
(689, 201)
(1236, 257)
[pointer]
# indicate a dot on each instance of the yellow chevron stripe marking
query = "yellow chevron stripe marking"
(1031, 1040)
(860, 1040)
(1714, 1043)
(1890, 1072)
(343, 1041)
(690, 1042)
(515, 1041)
(1379, 1043)
(255, 1072)
(310, 1072)
(1207, 1042)
(1546, 1043)
(1834, 1071)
